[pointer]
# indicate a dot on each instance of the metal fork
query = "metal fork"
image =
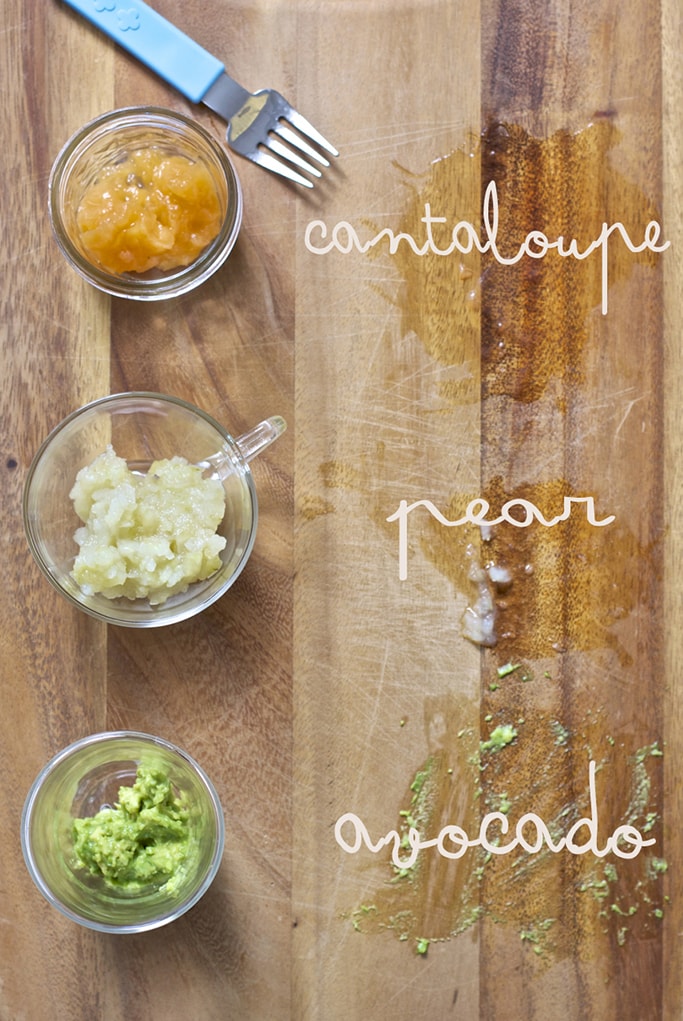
(260, 129)
(262, 126)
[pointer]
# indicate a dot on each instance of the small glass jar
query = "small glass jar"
(142, 428)
(107, 142)
(86, 777)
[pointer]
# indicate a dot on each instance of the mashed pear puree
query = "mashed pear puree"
(141, 841)
(145, 536)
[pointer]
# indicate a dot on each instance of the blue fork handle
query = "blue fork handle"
(175, 57)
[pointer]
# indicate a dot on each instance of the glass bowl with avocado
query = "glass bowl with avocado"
(122, 832)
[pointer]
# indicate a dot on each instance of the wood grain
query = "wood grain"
(672, 80)
(379, 670)
(55, 349)
(583, 415)
(323, 683)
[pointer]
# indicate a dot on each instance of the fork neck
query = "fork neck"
(225, 97)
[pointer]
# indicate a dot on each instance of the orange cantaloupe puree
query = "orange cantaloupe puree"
(153, 210)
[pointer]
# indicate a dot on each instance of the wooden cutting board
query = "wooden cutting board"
(336, 680)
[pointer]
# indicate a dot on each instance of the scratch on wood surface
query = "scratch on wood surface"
(627, 412)
(418, 976)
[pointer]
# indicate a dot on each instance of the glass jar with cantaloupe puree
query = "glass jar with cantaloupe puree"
(144, 203)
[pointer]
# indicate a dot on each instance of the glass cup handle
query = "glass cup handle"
(261, 436)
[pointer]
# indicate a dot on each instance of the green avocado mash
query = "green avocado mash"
(142, 841)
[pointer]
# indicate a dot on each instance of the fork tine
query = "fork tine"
(268, 131)
(299, 143)
(306, 128)
(275, 145)
(277, 167)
